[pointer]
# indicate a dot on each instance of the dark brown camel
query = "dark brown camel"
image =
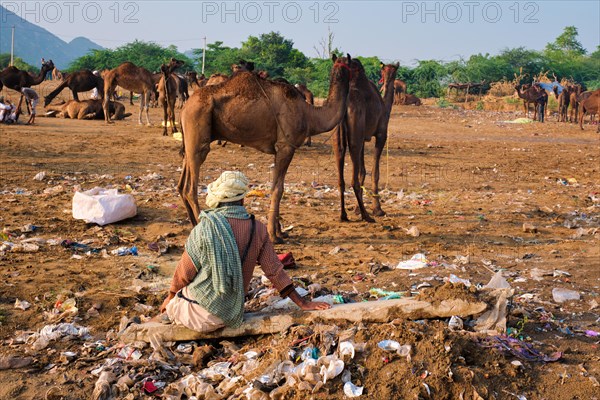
(133, 78)
(564, 98)
(589, 105)
(367, 116)
(310, 99)
(80, 81)
(399, 90)
(168, 91)
(408, 99)
(193, 79)
(536, 95)
(16, 79)
(268, 116)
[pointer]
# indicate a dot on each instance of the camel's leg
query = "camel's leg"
(283, 158)
(130, 98)
(165, 117)
(339, 149)
(356, 152)
(146, 100)
(109, 90)
(75, 96)
(362, 174)
(379, 146)
(172, 117)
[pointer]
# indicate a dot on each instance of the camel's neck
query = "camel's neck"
(326, 117)
(388, 94)
(39, 78)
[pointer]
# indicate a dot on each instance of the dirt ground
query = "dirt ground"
(465, 179)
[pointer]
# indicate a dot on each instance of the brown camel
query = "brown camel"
(16, 79)
(241, 66)
(193, 79)
(56, 74)
(408, 99)
(367, 116)
(133, 78)
(269, 116)
(590, 105)
(80, 81)
(564, 98)
(574, 102)
(399, 90)
(87, 109)
(169, 89)
(310, 99)
(536, 95)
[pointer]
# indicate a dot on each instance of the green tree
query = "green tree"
(567, 42)
(218, 58)
(144, 54)
(18, 62)
(273, 53)
(428, 77)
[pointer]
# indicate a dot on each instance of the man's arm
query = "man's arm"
(183, 276)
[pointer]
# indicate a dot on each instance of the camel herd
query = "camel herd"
(573, 103)
(269, 115)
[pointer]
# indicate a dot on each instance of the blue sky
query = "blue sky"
(392, 30)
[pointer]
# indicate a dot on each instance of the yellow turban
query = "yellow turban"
(230, 186)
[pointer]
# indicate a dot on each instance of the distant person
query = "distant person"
(32, 98)
(7, 111)
(95, 95)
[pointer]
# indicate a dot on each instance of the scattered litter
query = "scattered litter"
(351, 390)
(455, 279)
(385, 295)
(124, 251)
(497, 282)
(455, 323)
(22, 304)
(103, 206)
(417, 261)
(40, 176)
(413, 231)
(519, 348)
(560, 295)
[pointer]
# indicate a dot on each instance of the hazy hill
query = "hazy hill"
(33, 42)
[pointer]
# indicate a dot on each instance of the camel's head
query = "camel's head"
(174, 64)
(242, 66)
(388, 72)
(341, 67)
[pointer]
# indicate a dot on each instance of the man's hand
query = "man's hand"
(307, 305)
(314, 305)
(163, 307)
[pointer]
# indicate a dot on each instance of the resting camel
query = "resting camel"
(133, 78)
(408, 99)
(80, 81)
(87, 109)
(367, 116)
(536, 95)
(590, 105)
(169, 88)
(269, 116)
(399, 90)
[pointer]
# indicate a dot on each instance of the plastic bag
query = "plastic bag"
(103, 206)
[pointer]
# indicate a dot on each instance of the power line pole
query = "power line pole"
(203, 55)
(12, 46)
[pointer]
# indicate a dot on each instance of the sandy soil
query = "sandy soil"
(466, 180)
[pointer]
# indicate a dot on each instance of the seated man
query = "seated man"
(32, 98)
(210, 282)
(7, 111)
